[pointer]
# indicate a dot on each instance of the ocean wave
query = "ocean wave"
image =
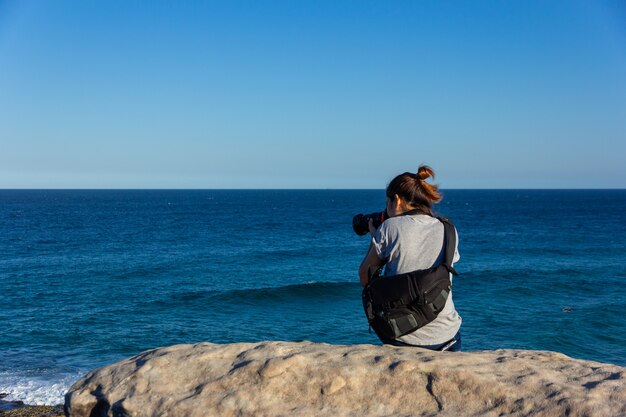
(37, 390)
(308, 290)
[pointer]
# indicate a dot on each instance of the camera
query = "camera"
(360, 221)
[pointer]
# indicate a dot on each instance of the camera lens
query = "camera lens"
(359, 224)
(360, 221)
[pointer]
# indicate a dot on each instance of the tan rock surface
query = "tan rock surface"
(309, 379)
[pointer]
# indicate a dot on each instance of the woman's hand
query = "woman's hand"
(370, 224)
(371, 260)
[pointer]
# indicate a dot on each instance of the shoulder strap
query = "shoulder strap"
(449, 241)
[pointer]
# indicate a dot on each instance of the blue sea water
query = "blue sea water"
(90, 277)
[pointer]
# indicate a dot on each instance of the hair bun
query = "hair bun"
(424, 172)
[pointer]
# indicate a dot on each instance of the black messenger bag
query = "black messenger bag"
(400, 304)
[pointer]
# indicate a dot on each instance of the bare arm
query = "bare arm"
(370, 261)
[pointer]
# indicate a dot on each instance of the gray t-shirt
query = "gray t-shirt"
(409, 243)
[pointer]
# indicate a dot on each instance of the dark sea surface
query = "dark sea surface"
(90, 277)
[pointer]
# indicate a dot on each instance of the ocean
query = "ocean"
(88, 277)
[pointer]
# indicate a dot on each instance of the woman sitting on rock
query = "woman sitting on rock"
(412, 239)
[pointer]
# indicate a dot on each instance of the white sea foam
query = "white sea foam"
(37, 390)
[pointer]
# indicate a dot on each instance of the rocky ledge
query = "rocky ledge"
(310, 379)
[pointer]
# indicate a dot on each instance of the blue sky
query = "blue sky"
(312, 94)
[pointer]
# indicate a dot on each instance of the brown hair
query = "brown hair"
(414, 190)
